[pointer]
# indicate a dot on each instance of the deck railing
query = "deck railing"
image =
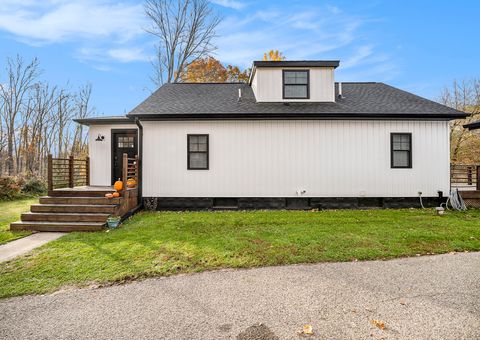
(465, 176)
(130, 169)
(68, 172)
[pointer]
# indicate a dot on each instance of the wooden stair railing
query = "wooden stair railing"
(67, 172)
(130, 170)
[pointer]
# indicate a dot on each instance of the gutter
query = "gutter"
(103, 121)
(300, 116)
(140, 159)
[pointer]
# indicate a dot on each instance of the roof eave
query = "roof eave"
(296, 116)
(472, 126)
(291, 63)
(103, 121)
(296, 63)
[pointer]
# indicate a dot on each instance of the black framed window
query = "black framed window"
(296, 84)
(197, 152)
(401, 150)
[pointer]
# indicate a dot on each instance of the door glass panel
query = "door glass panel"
(126, 142)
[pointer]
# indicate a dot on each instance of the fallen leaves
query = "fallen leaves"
(378, 323)
(306, 330)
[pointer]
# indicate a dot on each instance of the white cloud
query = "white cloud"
(358, 57)
(58, 21)
(103, 30)
(303, 33)
(119, 54)
(127, 55)
(229, 4)
(334, 9)
(300, 34)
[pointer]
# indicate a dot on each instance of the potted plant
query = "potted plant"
(113, 222)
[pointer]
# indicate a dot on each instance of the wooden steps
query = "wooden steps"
(78, 200)
(64, 217)
(67, 210)
(100, 192)
(57, 226)
(73, 208)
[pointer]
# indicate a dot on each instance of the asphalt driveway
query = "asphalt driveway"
(429, 297)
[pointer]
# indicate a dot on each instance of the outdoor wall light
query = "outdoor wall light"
(100, 138)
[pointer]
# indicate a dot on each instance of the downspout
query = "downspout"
(140, 159)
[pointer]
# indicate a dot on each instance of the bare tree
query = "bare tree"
(20, 79)
(83, 109)
(463, 96)
(185, 30)
(36, 119)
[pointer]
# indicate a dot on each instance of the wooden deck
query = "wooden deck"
(466, 178)
(471, 198)
(73, 204)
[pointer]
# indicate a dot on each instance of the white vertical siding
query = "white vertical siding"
(101, 152)
(267, 85)
(277, 158)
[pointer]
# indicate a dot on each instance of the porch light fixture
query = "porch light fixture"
(100, 138)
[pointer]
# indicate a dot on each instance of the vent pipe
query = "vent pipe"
(340, 95)
(239, 95)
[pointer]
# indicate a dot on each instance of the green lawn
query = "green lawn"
(10, 212)
(152, 244)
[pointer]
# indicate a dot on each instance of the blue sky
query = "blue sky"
(419, 46)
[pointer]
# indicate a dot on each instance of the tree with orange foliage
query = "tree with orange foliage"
(273, 55)
(236, 75)
(205, 70)
(210, 70)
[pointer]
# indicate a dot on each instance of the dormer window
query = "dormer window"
(296, 84)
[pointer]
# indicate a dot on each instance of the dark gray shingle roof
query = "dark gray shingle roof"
(200, 100)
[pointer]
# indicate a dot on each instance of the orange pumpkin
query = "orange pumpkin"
(115, 195)
(118, 185)
(109, 195)
(131, 183)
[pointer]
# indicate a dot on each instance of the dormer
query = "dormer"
(294, 81)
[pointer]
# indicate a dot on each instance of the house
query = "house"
(290, 138)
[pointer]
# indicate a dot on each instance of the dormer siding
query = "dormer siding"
(267, 83)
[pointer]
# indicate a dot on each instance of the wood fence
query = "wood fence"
(68, 172)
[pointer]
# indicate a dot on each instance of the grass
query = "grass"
(152, 244)
(10, 212)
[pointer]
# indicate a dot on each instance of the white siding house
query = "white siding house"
(291, 133)
(101, 152)
(281, 158)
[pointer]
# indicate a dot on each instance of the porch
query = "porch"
(466, 178)
(72, 204)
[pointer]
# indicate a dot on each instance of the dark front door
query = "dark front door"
(124, 141)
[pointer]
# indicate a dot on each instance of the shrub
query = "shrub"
(34, 186)
(10, 187)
